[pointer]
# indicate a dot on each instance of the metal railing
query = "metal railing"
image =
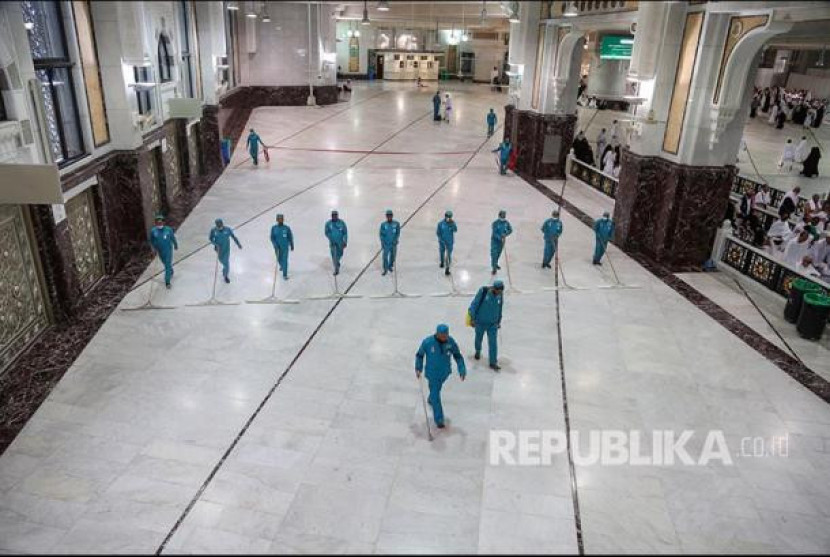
(756, 264)
(593, 177)
(743, 184)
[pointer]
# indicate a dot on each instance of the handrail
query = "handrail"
(593, 177)
(757, 264)
(743, 184)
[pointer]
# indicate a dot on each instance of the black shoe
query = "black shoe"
(447, 271)
(441, 426)
(441, 264)
(493, 272)
(227, 280)
(337, 272)
(477, 356)
(497, 267)
(167, 285)
(495, 367)
(384, 273)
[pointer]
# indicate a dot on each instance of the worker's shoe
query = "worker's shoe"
(477, 356)
(495, 367)
(227, 280)
(447, 271)
(493, 272)
(441, 425)
(384, 273)
(167, 285)
(441, 265)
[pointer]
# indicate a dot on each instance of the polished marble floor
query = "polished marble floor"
(299, 428)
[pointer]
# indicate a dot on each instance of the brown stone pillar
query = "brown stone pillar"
(542, 141)
(209, 136)
(670, 211)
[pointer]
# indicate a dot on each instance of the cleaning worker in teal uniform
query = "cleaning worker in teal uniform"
(338, 235)
(551, 230)
(485, 315)
(163, 241)
(220, 237)
(446, 238)
(501, 230)
(437, 350)
(604, 231)
(253, 146)
(503, 150)
(283, 240)
(390, 233)
(491, 122)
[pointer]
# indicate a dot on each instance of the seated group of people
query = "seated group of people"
(803, 245)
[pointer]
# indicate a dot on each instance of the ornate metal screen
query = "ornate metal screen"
(594, 178)
(83, 230)
(22, 308)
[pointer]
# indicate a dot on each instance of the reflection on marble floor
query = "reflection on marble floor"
(337, 460)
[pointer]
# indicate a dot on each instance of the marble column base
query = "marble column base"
(542, 141)
(668, 211)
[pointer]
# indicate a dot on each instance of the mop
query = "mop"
(336, 295)
(149, 303)
(512, 289)
(618, 283)
(561, 271)
(213, 301)
(424, 402)
(396, 293)
(272, 299)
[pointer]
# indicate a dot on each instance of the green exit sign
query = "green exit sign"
(616, 47)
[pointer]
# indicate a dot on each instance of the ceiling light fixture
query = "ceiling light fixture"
(383, 6)
(820, 62)
(570, 10)
(365, 20)
(233, 6)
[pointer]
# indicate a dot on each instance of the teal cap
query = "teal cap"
(498, 284)
(442, 329)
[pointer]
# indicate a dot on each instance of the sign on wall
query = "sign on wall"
(354, 55)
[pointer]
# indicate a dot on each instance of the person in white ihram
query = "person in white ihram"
(762, 198)
(806, 267)
(787, 156)
(797, 248)
(821, 255)
(801, 151)
(447, 108)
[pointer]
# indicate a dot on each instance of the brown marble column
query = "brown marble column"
(669, 211)
(57, 260)
(209, 136)
(542, 141)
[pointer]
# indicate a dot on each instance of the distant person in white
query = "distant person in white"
(762, 198)
(601, 143)
(779, 232)
(608, 162)
(821, 255)
(801, 150)
(787, 156)
(797, 248)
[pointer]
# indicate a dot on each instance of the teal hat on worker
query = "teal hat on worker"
(219, 222)
(498, 284)
(334, 212)
(502, 213)
(442, 329)
(389, 212)
(280, 216)
(159, 216)
(448, 214)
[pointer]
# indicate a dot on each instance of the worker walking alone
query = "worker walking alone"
(491, 122)
(436, 106)
(485, 316)
(253, 143)
(504, 149)
(437, 350)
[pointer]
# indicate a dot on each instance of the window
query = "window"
(142, 92)
(188, 74)
(53, 68)
(165, 60)
(88, 55)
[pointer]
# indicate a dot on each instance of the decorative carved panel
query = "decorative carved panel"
(22, 309)
(739, 27)
(171, 172)
(682, 82)
(83, 231)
